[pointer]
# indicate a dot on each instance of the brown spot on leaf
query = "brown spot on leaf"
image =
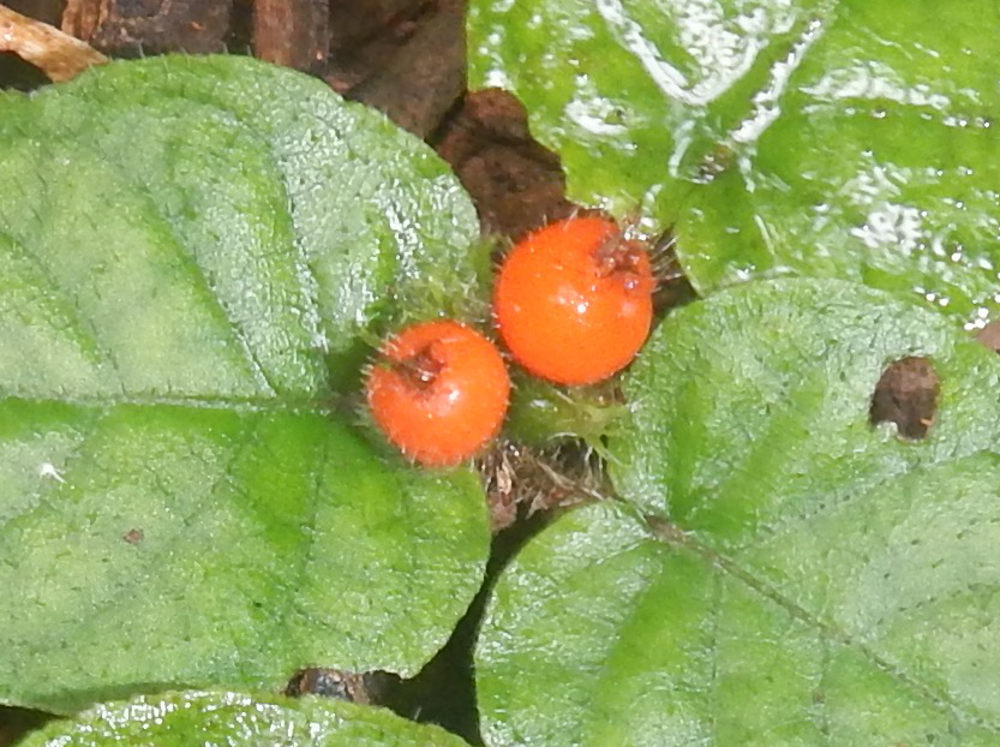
(133, 536)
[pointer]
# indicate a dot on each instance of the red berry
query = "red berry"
(573, 301)
(438, 392)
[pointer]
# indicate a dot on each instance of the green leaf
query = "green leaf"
(783, 572)
(752, 408)
(602, 632)
(186, 718)
(836, 138)
(182, 502)
(235, 157)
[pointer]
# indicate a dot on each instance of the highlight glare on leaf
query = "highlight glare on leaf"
(836, 138)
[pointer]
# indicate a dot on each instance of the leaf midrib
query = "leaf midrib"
(673, 537)
(313, 405)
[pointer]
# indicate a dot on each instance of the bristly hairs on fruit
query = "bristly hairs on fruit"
(469, 302)
(419, 417)
(663, 257)
(660, 247)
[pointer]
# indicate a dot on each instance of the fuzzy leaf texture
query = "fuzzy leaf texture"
(780, 571)
(193, 253)
(216, 717)
(837, 138)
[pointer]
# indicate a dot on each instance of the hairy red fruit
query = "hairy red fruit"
(573, 301)
(438, 391)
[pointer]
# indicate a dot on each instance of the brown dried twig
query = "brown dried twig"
(81, 18)
(291, 32)
(56, 54)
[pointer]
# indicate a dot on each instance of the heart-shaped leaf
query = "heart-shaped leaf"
(186, 718)
(816, 137)
(787, 572)
(753, 408)
(235, 158)
(182, 502)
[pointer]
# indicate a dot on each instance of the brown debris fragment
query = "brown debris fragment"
(521, 481)
(82, 17)
(418, 83)
(293, 33)
(351, 27)
(46, 11)
(498, 468)
(329, 683)
(406, 58)
(362, 44)
(58, 55)
(516, 183)
(132, 27)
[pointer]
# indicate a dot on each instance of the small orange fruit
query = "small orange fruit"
(573, 301)
(438, 391)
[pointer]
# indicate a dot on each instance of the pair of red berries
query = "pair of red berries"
(572, 304)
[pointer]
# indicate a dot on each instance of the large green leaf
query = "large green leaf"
(334, 184)
(182, 500)
(843, 138)
(602, 632)
(787, 572)
(187, 718)
(752, 409)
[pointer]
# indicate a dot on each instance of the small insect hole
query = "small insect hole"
(907, 395)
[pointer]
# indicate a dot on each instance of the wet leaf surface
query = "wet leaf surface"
(816, 137)
(181, 719)
(182, 500)
(786, 570)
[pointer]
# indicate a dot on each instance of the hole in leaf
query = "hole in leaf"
(335, 683)
(907, 395)
(444, 691)
(990, 336)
